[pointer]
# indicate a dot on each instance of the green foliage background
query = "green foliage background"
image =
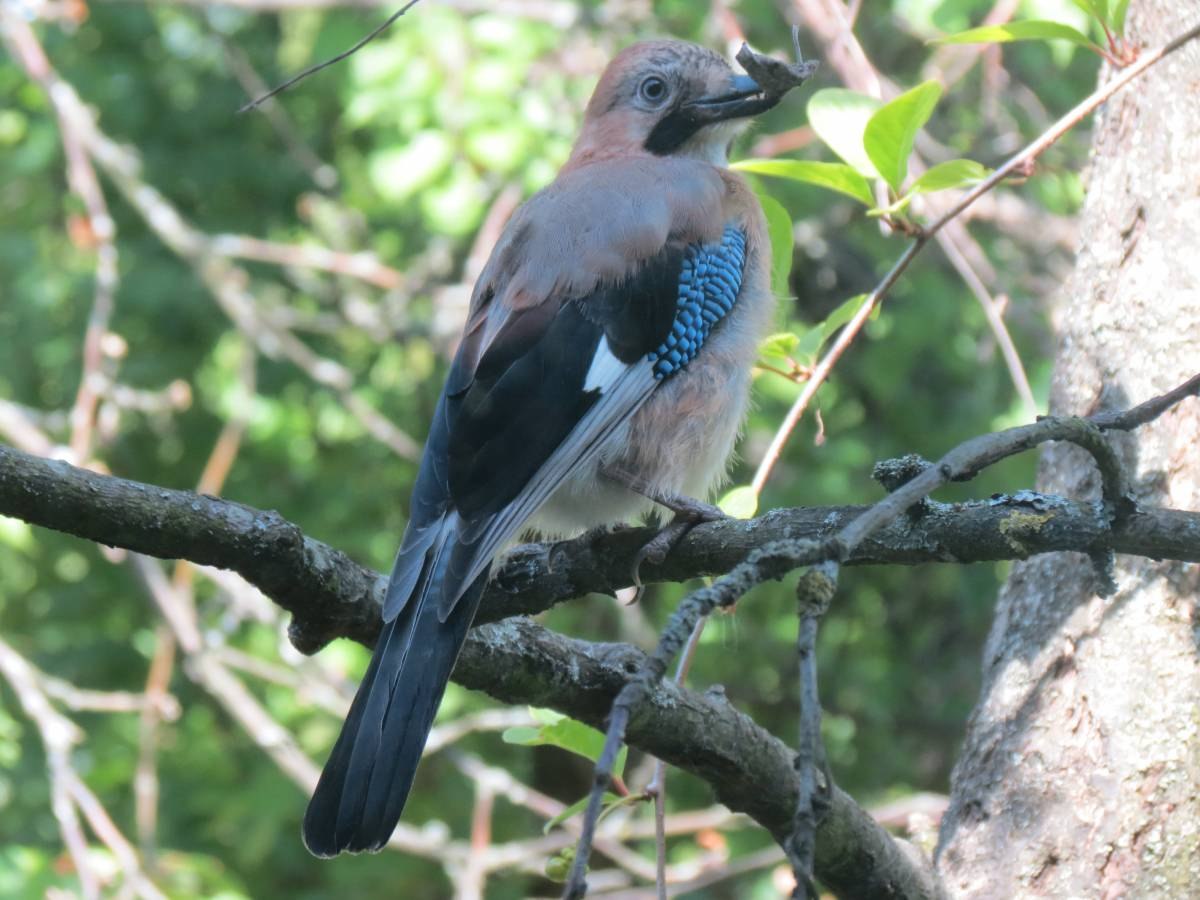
(423, 129)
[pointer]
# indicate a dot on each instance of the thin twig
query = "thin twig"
(364, 266)
(312, 70)
(1015, 164)
(657, 788)
(814, 592)
(100, 229)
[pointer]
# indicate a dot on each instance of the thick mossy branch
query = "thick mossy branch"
(329, 595)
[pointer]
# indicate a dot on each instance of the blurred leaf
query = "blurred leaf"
(1029, 30)
(779, 231)
(557, 730)
(779, 345)
(890, 132)
(1118, 16)
(954, 173)
(399, 172)
(576, 807)
(558, 866)
(741, 502)
(839, 117)
(1097, 9)
(834, 176)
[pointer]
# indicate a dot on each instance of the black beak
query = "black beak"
(744, 98)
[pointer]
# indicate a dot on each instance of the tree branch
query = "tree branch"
(329, 595)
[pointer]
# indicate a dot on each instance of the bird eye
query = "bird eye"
(653, 90)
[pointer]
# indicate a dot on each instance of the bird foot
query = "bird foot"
(689, 512)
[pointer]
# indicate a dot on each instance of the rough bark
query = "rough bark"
(329, 595)
(1080, 774)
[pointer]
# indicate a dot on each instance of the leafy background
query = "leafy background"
(402, 151)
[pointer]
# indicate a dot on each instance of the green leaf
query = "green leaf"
(839, 117)
(889, 135)
(811, 342)
(741, 502)
(558, 866)
(1029, 30)
(1118, 16)
(577, 807)
(779, 230)
(834, 176)
(558, 730)
(522, 735)
(816, 337)
(1097, 9)
(954, 173)
(843, 314)
(779, 345)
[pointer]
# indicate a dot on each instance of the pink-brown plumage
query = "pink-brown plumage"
(614, 326)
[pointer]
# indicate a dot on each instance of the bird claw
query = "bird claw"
(688, 514)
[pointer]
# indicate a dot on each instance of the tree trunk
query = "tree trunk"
(1080, 773)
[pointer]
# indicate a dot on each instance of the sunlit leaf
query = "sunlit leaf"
(1097, 9)
(1029, 30)
(843, 314)
(954, 173)
(833, 176)
(741, 502)
(780, 345)
(889, 135)
(1118, 16)
(557, 730)
(839, 117)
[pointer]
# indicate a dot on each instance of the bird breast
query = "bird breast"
(681, 441)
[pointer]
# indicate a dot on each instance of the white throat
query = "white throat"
(711, 143)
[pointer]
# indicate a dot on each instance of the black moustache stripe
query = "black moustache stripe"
(672, 132)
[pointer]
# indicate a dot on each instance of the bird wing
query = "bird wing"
(574, 323)
(572, 328)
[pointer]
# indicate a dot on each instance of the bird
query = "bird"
(603, 371)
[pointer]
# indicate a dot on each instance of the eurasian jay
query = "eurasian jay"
(605, 361)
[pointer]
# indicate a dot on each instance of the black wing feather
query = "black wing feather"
(496, 424)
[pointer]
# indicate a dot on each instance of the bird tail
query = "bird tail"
(362, 790)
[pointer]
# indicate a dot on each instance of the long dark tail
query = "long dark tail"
(362, 791)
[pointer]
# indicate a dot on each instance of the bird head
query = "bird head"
(668, 98)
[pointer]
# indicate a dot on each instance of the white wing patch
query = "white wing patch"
(605, 369)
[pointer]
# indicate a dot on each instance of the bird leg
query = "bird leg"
(689, 512)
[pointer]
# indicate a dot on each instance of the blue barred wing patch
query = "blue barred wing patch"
(709, 284)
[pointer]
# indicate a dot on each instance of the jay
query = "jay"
(605, 365)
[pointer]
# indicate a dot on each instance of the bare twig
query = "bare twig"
(100, 230)
(69, 795)
(312, 70)
(364, 266)
(657, 788)
(324, 176)
(814, 592)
